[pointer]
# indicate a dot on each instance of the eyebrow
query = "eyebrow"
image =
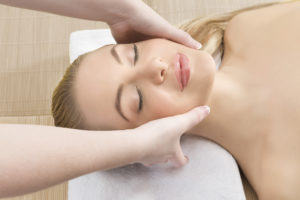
(115, 54)
(118, 100)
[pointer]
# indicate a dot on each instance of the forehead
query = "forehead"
(96, 83)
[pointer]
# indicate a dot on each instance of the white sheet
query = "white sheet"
(211, 174)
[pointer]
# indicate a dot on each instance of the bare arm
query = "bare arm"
(99, 10)
(129, 20)
(34, 157)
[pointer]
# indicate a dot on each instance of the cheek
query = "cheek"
(161, 104)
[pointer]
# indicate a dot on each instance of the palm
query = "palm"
(124, 34)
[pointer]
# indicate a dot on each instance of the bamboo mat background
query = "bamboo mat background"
(34, 55)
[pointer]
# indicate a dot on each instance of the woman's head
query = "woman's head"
(123, 86)
(86, 96)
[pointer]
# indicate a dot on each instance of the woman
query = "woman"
(131, 84)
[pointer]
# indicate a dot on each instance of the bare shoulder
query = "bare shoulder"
(245, 25)
(282, 184)
(280, 172)
(266, 13)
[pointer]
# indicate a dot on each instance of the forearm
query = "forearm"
(35, 157)
(100, 10)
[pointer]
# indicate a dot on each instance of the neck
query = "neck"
(224, 101)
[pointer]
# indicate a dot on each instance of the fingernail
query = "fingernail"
(187, 159)
(202, 112)
(195, 44)
(198, 45)
(206, 109)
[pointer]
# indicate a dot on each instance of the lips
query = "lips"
(182, 70)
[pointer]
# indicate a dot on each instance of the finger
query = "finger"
(183, 37)
(166, 30)
(186, 121)
(147, 164)
(180, 159)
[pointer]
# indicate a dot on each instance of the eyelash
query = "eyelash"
(136, 55)
(138, 91)
(140, 100)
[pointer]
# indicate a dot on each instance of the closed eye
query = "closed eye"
(140, 100)
(136, 57)
(136, 53)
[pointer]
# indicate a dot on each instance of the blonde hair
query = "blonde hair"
(207, 30)
(64, 109)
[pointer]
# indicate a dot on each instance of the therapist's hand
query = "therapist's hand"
(144, 23)
(129, 20)
(160, 139)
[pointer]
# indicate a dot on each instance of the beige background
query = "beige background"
(34, 55)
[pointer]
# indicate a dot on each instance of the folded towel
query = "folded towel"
(211, 174)
(88, 40)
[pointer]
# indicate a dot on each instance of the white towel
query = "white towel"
(211, 174)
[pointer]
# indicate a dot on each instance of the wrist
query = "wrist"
(137, 146)
(128, 147)
(116, 10)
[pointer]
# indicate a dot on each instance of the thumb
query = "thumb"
(186, 121)
(180, 159)
(184, 38)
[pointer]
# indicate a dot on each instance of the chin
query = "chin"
(203, 71)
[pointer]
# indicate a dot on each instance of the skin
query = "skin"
(129, 20)
(100, 75)
(254, 97)
(31, 170)
(128, 23)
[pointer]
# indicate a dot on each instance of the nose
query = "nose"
(157, 70)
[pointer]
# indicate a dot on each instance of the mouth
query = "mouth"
(182, 70)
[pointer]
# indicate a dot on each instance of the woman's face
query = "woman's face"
(123, 86)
